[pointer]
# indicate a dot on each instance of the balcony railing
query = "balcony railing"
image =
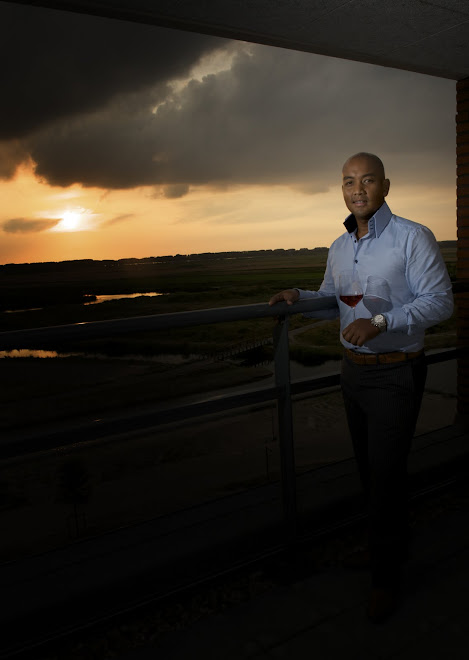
(281, 392)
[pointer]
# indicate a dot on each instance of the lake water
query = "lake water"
(119, 296)
(41, 354)
(99, 299)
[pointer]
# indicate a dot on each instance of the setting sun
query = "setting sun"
(73, 220)
(69, 222)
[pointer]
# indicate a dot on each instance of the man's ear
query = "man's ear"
(387, 184)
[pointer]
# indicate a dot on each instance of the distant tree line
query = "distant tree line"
(85, 264)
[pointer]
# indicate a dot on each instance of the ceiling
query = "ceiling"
(427, 36)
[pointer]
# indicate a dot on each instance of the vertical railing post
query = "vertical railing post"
(285, 425)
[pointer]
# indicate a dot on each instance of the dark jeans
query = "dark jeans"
(382, 403)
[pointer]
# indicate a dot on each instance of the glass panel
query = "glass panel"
(145, 469)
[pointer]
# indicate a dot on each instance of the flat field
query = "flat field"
(53, 294)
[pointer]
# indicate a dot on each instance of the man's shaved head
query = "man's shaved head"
(377, 162)
(364, 185)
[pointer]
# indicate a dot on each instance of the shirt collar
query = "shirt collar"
(377, 223)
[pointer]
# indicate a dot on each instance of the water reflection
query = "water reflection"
(96, 300)
(161, 357)
(28, 353)
(119, 296)
(15, 311)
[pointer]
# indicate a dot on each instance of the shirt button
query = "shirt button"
(356, 261)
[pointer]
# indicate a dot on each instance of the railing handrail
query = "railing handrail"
(91, 329)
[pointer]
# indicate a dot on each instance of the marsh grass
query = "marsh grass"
(190, 282)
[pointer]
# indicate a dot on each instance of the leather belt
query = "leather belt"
(381, 358)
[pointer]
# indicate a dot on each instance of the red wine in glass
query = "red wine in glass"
(353, 300)
(350, 289)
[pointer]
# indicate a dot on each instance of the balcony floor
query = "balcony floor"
(321, 614)
(317, 608)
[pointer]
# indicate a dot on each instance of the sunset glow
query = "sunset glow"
(209, 145)
(137, 224)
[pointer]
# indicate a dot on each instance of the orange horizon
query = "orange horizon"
(91, 223)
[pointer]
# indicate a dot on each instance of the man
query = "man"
(384, 370)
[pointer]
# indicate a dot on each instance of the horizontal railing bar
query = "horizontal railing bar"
(460, 286)
(97, 430)
(102, 429)
(92, 329)
(443, 355)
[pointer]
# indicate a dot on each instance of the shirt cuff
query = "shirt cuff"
(396, 320)
(304, 294)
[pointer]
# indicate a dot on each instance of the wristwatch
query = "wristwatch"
(379, 321)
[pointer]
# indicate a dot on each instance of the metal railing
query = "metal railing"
(39, 337)
(282, 392)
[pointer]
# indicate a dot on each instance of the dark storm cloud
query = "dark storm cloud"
(12, 153)
(275, 117)
(58, 64)
(25, 226)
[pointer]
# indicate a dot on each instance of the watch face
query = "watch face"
(379, 322)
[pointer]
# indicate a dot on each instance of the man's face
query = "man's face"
(364, 186)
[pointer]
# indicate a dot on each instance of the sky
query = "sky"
(122, 140)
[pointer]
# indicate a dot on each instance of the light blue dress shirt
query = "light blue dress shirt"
(407, 255)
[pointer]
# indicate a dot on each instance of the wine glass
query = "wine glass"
(377, 298)
(350, 289)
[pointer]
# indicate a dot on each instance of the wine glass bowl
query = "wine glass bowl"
(377, 298)
(350, 289)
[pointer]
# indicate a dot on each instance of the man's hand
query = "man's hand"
(289, 296)
(359, 332)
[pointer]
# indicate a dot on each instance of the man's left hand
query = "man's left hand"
(359, 332)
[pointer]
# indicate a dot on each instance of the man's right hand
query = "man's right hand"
(289, 296)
